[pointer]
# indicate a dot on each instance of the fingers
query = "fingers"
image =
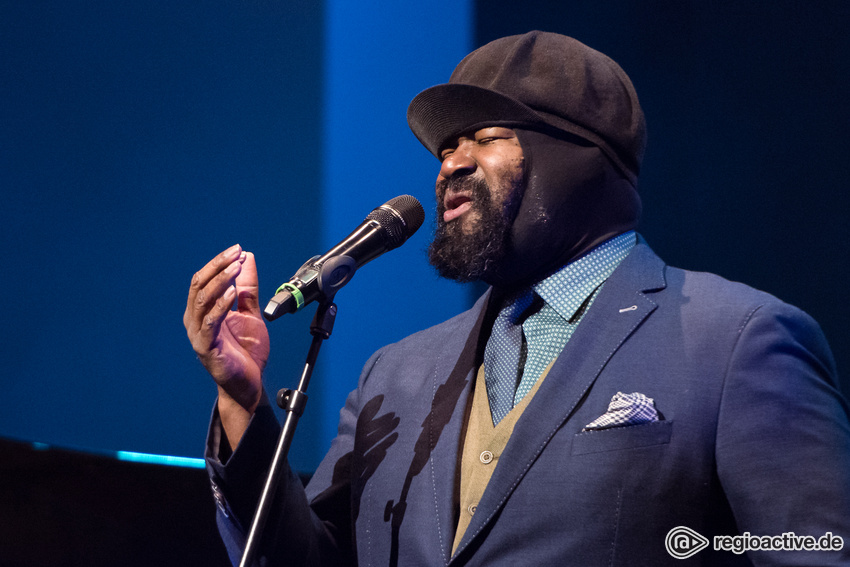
(209, 285)
(213, 268)
(207, 332)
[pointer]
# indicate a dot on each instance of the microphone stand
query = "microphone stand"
(293, 402)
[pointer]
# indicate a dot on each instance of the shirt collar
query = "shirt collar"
(568, 288)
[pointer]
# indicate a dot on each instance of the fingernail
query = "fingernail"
(232, 251)
(228, 295)
(242, 256)
(232, 267)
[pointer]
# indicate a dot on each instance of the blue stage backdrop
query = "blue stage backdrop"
(139, 139)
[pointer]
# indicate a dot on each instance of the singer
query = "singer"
(592, 401)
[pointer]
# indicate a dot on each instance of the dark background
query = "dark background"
(746, 171)
(139, 139)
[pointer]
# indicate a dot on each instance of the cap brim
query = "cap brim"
(440, 113)
(445, 111)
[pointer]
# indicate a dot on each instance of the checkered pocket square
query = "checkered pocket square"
(625, 409)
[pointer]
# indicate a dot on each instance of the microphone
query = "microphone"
(384, 229)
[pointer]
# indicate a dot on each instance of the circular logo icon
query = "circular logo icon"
(682, 542)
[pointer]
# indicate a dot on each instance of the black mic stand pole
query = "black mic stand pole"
(293, 402)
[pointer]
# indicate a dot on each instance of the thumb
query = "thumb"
(248, 287)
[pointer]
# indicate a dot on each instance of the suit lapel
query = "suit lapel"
(615, 314)
(446, 422)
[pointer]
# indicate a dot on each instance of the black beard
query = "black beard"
(474, 256)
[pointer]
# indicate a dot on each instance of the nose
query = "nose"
(459, 162)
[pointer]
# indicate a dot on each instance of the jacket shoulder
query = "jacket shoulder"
(436, 336)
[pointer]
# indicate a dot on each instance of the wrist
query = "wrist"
(244, 400)
(235, 416)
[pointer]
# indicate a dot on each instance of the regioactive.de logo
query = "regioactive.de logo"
(683, 542)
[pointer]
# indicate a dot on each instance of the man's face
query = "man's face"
(479, 189)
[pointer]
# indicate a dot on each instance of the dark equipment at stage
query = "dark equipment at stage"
(63, 508)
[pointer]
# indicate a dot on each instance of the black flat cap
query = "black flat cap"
(540, 81)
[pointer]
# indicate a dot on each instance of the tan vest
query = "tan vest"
(482, 447)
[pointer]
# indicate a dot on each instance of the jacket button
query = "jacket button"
(471, 509)
(486, 457)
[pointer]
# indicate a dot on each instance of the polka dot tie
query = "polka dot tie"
(502, 357)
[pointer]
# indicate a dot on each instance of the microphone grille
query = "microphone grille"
(400, 217)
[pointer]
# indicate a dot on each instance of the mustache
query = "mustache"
(477, 188)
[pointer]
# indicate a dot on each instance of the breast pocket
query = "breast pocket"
(620, 438)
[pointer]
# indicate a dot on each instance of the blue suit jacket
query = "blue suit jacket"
(754, 437)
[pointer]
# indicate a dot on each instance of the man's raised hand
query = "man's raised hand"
(232, 345)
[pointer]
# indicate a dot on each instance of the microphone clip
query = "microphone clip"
(313, 281)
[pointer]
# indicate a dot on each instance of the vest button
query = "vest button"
(471, 509)
(486, 457)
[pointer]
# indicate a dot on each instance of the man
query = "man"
(591, 403)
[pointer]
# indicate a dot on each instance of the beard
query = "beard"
(474, 254)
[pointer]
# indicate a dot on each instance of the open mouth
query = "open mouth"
(456, 205)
